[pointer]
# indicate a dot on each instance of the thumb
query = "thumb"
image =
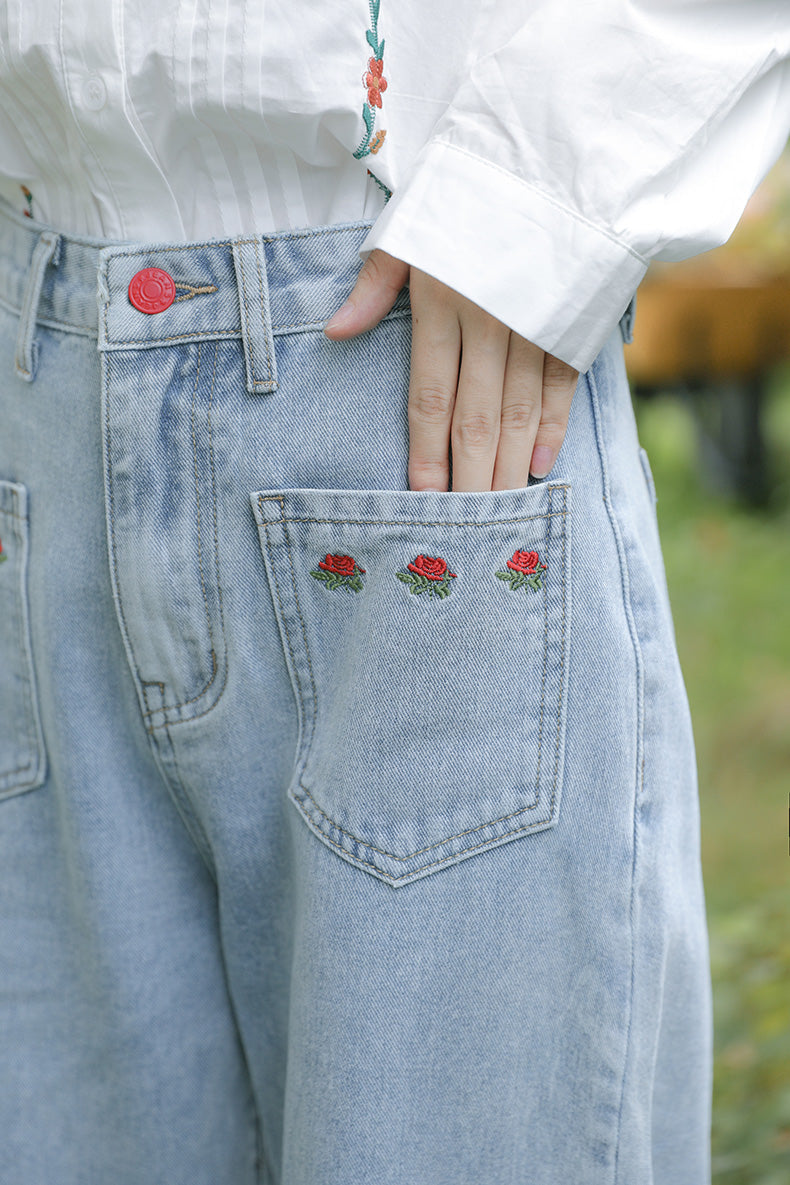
(380, 279)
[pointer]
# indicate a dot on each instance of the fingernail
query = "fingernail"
(542, 461)
(340, 317)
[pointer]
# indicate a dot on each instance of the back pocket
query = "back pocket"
(22, 764)
(427, 640)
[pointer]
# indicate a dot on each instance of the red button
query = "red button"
(152, 290)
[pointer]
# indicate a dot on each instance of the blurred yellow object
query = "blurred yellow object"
(693, 326)
(726, 313)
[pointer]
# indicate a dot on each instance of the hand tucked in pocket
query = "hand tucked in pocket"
(499, 403)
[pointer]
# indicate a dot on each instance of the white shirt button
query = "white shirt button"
(94, 93)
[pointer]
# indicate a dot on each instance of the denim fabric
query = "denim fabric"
(341, 840)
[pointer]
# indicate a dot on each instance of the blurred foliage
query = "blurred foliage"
(728, 571)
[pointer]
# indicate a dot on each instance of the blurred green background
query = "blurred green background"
(728, 569)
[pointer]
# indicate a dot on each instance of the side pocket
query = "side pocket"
(22, 758)
(427, 640)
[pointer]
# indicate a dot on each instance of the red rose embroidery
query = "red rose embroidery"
(524, 561)
(427, 573)
(375, 81)
(525, 571)
(432, 567)
(2, 553)
(340, 571)
(343, 565)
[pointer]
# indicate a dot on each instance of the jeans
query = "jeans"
(348, 833)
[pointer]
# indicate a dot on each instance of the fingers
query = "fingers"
(475, 431)
(522, 396)
(378, 283)
(559, 385)
(433, 380)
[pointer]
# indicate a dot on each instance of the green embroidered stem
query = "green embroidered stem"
(29, 199)
(420, 584)
(381, 185)
(333, 580)
(520, 580)
(375, 83)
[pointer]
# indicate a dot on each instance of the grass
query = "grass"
(728, 570)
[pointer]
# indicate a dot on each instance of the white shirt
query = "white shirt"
(539, 153)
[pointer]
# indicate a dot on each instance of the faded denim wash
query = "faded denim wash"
(348, 834)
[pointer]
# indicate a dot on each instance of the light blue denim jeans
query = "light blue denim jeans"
(348, 834)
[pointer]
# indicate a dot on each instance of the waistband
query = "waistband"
(251, 287)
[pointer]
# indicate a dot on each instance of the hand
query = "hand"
(497, 400)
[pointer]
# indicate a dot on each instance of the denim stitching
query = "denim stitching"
(198, 525)
(411, 522)
(270, 379)
(175, 784)
(30, 739)
(481, 826)
(304, 636)
(370, 847)
(429, 847)
(288, 640)
(177, 337)
(205, 289)
(114, 565)
(248, 343)
(562, 678)
(215, 665)
(639, 669)
(545, 642)
(424, 867)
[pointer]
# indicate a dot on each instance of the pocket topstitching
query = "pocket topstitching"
(427, 639)
(22, 758)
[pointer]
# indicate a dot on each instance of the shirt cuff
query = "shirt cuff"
(545, 271)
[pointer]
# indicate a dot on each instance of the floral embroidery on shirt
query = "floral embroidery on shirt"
(3, 555)
(381, 185)
(375, 84)
(28, 213)
(524, 571)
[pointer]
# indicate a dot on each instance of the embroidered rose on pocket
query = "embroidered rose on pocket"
(524, 571)
(429, 574)
(340, 571)
(3, 555)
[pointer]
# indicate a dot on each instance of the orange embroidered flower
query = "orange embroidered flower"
(375, 81)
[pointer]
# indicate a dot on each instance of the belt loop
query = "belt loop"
(627, 321)
(46, 250)
(249, 259)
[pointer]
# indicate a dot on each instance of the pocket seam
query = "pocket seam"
(304, 756)
(33, 738)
